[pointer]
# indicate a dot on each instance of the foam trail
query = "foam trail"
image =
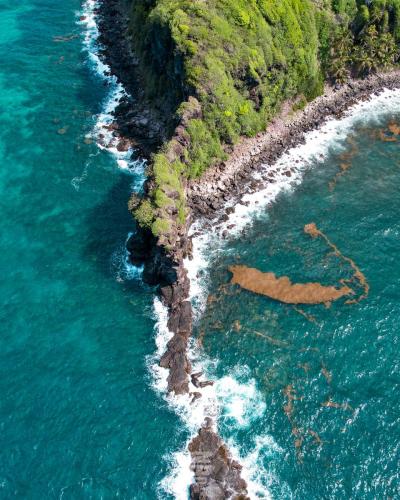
(233, 400)
(103, 130)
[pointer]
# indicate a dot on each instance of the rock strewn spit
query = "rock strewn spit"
(137, 124)
(140, 124)
(217, 475)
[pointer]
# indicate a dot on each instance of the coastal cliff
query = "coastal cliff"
(220, 88)
(221, 70)
(205, 78)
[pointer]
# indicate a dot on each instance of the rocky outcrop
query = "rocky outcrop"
(137, 120)
(168, 272)
(217, 476)
(175, 358)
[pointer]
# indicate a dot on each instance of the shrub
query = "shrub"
(161, 200)
(204, 147)
(144, 214)
(182, 214)
(160, 226)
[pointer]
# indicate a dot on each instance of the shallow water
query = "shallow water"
(325, 419)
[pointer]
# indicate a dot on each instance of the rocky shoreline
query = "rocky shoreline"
(140, 125)
(137, 122)
(228, 182)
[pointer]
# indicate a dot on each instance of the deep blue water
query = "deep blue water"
(78, 418)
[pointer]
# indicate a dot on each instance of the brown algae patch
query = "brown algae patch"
(326, 373)
(333, 404)
(283, 289)
(271, 340)
(386, 138)
(314, 232)
(317, 440)
(344, 167)
(309, 317)
(345, 164)
(288, 408)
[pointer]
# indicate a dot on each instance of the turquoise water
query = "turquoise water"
(78, 418)
(346, 355)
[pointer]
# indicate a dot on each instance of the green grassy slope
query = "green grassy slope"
(240, 59)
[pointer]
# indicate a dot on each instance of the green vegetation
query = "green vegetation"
(366, 38)
(241, 59)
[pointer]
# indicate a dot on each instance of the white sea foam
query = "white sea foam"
(102, 132)
(241, 403)
(257, 478)
(177, 482)
(233, 401)
(79, 179)
(122, 268)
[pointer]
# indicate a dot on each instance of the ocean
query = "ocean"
(306, 397)
(308, 394)
(78, 415)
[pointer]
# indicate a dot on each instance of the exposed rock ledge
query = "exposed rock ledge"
(217, 475)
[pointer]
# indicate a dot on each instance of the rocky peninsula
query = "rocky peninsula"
(180, 190)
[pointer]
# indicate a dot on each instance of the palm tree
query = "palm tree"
(339, 71)
(386, 50)
(365, 55)
(340, 54)
(364, 61)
